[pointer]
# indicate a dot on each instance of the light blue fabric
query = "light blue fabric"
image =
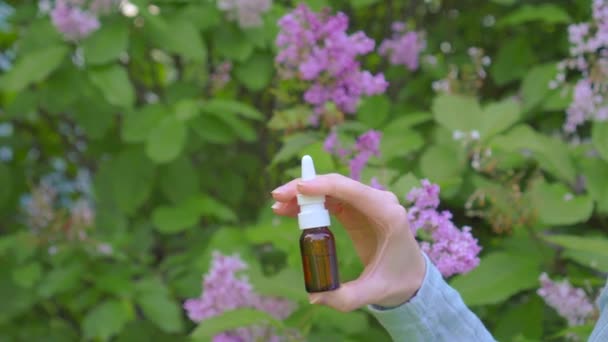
(437, 313)
(600, 333)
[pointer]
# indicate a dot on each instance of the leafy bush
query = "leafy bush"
(139, 137)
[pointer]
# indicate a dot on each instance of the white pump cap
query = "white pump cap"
(312, 208)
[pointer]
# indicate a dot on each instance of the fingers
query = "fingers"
(291, 208)
(286, 192)
(288, 208)
(348, 297)
(364, 198)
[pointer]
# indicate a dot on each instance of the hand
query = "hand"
(378, 226)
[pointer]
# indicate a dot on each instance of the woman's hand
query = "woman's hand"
(379, 229)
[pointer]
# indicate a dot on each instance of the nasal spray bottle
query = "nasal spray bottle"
(317, 244)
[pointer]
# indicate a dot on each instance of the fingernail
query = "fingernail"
(277, 205)
(277, 191)
(314, 299)
(301, 185)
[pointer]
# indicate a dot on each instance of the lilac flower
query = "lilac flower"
(73, 22)
(331, 142)
(223, 290)
(571, 303)
(589, 56)
(452, 250)
(315, 48)
(366, 146)
(404, 47)
(425, 197)
(221, 75)
(40, 207)
(248, 13)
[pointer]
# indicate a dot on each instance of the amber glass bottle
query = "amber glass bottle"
(317, 245)
(319, 261)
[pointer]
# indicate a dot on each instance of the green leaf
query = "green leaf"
(60, 280)
(406, 121)
(233, 319)
(404, 184)
(178, 36)
(400, 145)
(186, 109)
(232, 43)
(291, 146)
(442, 164)
(171, 220)
(166, 141)
(498, 117)
(374, 111)
(221, 106)
(594, 170)
(106, 320)
(599, 136)
(556, 205)
(179, 180)
(114, 84)
(589, 251)
(212, 129)
(551, 153)
(505, 2)
(521, 319)
(457, 112)
(547, 13)
(28, 275)
(132, 180)
(213, 208)
(514, 58)
(33, 67)
(535, 85)
(240, 127)
(163, 311)
(138, 124)
(256, 72)
(499, 276)
(107, 43)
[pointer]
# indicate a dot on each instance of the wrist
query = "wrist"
(404, 288)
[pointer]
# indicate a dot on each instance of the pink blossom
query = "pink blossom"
(571, 303)
(224, 290)
(248, 13)
(315, 48)
(404, 47)
(73, 22)
(452, 250)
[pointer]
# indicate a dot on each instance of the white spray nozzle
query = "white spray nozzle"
(312, 208)
(308, 168)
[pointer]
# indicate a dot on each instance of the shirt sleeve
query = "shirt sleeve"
(435, 313)
(600, 332)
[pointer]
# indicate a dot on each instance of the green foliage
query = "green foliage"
(181, 165)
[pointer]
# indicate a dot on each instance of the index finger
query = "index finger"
(369, 201)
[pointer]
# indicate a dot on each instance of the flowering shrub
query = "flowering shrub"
(139, 141)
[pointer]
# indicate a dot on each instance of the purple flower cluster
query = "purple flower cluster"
(221, 75)
(367, 145)
(315, 48)
(77, 21)
(248, 13)
(452, 250)
(571, 303)
(73, 22)
(404, 47)
(589, 56)
(223, 290)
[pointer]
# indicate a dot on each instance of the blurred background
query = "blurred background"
(140, 140)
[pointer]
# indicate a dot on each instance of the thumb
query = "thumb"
(348, 297)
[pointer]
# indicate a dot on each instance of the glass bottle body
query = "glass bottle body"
(319, 260)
